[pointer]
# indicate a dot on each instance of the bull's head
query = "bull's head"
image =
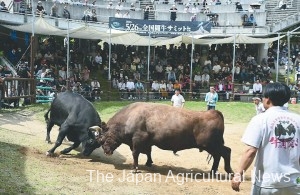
(110, 141)
(93, 141)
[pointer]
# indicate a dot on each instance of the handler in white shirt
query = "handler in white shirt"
(177, 99)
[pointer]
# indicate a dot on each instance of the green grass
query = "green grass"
(240, 112)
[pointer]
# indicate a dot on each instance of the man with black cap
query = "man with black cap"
(177, 99)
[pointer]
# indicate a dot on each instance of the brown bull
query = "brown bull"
(142, 125)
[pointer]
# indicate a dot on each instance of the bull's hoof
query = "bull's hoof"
(50, 154)
(148, 164)
(135, 170)
(65, 151)
(49, 141)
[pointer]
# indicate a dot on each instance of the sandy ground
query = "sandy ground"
(100, 174)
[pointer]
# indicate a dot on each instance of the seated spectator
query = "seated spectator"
(3, 7)
(173, 14)
(40, 9)
(127, 15)
(130, 89)
(177, 85)
(54, 10)
(122, 87)
(238, 6)
(66, 13)
(195, 9)
(205, 79)
(197, 80)
(87, 15)
(218, 2)
(187, 9)
(110, 5)
(118, 14)
(282, 4)
(251, 20)
(12, 92)
(132, 7)
(170, 89)
(94, 15)
(77, 88)
(139, 89)
(119, 6)
(193, 18)
(96, 89)
(163, 90)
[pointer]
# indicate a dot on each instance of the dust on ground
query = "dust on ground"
(32, 172)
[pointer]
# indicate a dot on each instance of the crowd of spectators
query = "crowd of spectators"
(169, 69)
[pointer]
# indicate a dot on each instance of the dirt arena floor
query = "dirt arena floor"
(99, 174)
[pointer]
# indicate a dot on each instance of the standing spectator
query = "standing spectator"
(155, 88)
(205, 79)
(139, 88)
(146, 12)
(66, 13)
(54, 10)
(17, 5)
(257, 87)
(98, 61)
(273, 139)
(87, 15)
(177, 99)
(259, 107)
(173, 14)
(163, 90)
(170, 88)
(211, 98)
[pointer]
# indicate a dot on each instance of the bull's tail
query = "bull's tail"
(46, 115)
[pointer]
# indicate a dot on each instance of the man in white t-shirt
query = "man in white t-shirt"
(259, 107)
(177, 99)
(274, 138)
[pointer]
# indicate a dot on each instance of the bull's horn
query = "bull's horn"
(96, 128)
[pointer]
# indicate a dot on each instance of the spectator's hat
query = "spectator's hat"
(256, 98)
(39, 2)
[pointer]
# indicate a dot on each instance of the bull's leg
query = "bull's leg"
(217, 156)
(149, 159)
(49, 127)
(226, 154)
(61, 135)
(135, 155)
(67, 150)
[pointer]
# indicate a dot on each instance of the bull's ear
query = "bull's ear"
(104, 127)
(96, 130)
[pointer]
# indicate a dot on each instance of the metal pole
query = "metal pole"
(289, 56)
(233, 59)
(148, 74)
(277, 63)
(191, 70)
(109, 54)
(32, 54)
(68, 55)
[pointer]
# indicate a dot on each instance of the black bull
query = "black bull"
(77, 119)
(141, 125)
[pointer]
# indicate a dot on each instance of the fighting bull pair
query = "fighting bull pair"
(140, 126)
